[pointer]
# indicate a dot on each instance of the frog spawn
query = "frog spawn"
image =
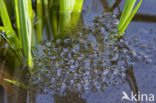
(90, 60)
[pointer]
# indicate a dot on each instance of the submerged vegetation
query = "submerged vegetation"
(23, 24)
(24, 33)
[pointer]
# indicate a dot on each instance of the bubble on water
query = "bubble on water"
(123, 75)
(106, 71)
(116, 72)
(79, 86)
(48, 44)
(97, 85)
(148, 61)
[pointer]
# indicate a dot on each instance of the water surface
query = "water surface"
(90, 65)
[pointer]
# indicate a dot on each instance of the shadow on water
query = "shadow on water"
(69, 97)
(2, 100)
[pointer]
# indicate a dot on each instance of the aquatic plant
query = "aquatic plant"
(39, 26)
(22, 39)
(61, 17)
(22, 32)
(127, 15)
(25, 15)
(18, 84)
(69, 13)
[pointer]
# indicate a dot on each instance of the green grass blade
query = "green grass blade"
(51, 3)
(18, 84)
(17, 16)
(66, 8)
(75, 15)
(54, 23)
(26, 29)
(123, 13)
(13, 82)
(78, 6)
(67, 5)
(1, 29)
(10, 33)
(6, 21)
(48, 23)
(55, 17)
(30, 10)
(64, 20)
(131, 17)
(39, 26)
(127, 15)
(126, 12)
(18, 22)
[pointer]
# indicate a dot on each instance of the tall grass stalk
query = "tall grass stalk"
(18, 22)
(39, 27)
(69, 15)
(10, 33)
(64, 13)
(78, 6)
(25, 14)
(127, 15)
(1, 28)
(54, 23)
(76, 13)
(47, 18)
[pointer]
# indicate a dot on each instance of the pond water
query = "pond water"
(90, 65)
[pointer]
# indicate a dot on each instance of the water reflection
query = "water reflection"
(2, 94)
(60, 22)
(144, 18)
(69, 97)
(6, 89)
(105, 4)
